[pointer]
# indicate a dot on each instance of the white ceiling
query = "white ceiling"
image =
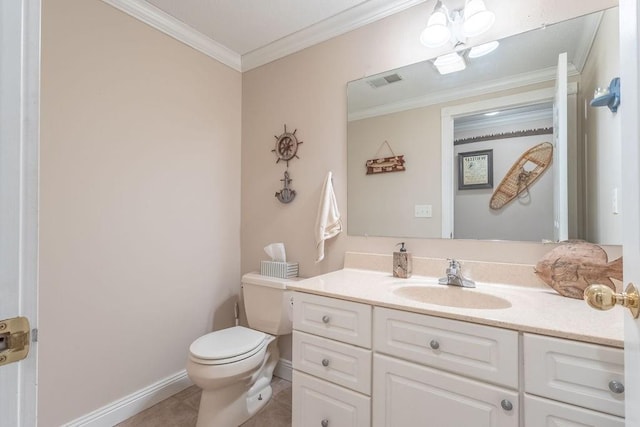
(247, 25)
(245, 34)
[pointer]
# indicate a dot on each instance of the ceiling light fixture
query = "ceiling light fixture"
(456, 26)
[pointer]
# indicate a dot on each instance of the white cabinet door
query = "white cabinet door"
(539, 412)
(409, 395)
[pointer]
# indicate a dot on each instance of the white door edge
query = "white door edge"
(630, 138)
(19, 139)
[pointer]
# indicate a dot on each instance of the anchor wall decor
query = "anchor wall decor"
(286, 149)
(286, 195)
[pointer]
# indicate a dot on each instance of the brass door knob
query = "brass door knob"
(602, 297)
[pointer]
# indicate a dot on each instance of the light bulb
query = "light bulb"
(437, 32)
(477, 19)
(483, 49)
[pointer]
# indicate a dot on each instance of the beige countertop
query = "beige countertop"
(535, 310)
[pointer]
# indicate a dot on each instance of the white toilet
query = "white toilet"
(234, 366)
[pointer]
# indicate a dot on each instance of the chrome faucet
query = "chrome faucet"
(454, 276)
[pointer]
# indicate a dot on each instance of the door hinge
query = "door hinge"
(34, 335)
(15, 338)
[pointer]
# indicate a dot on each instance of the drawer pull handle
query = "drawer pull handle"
(616, 386)
(325, 362)
(325, 319)
(434, 344)
(506, 405)
(324, 423)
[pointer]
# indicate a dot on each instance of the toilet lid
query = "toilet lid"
(227, 343)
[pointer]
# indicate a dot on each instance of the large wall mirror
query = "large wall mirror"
(503, 103)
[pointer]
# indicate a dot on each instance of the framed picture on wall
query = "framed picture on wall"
(475, 170)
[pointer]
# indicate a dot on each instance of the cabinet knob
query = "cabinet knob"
(616, 386)
(434, 344)
(325, 319)
(325, 362)
(324, 423)
(506, 405)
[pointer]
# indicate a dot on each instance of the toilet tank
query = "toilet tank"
(268, 303)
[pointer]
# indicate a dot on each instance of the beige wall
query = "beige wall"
(140, 205)
(602, 136)
(383, 204)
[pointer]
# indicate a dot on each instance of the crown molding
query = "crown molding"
(586, 42)
(171, 26)
(483, 88)
(351, 19)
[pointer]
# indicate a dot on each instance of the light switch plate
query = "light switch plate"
(423, 211)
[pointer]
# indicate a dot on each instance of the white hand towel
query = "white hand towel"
(328, 223)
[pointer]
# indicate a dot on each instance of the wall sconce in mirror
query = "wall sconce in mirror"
(455, 26)
(608, 97)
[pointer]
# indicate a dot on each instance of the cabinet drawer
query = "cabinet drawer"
(407, 395)
(337, 319)
(315, 400)
(482, 352)
(343, 364)
(574, 372)
(540, 412)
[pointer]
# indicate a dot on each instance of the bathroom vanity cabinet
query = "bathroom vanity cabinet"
(360, 365)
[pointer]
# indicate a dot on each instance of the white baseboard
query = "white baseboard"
(130, 405)
(284, 369)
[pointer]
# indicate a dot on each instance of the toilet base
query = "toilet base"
(231, 409)
(234, 404)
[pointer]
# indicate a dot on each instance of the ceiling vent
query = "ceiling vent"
(385, 80)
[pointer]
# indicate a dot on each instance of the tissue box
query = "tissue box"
(283, 270)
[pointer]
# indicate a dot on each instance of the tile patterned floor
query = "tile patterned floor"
(181, 410)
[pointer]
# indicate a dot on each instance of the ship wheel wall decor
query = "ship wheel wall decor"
(286, 146)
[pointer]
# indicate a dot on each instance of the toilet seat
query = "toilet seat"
(228, 345)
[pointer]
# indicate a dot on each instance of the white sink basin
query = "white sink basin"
(452, 296)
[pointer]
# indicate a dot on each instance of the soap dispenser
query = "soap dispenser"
(402, 262)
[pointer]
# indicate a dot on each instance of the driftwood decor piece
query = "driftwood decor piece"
(385, 164)
(518, 178)
(573, 266)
